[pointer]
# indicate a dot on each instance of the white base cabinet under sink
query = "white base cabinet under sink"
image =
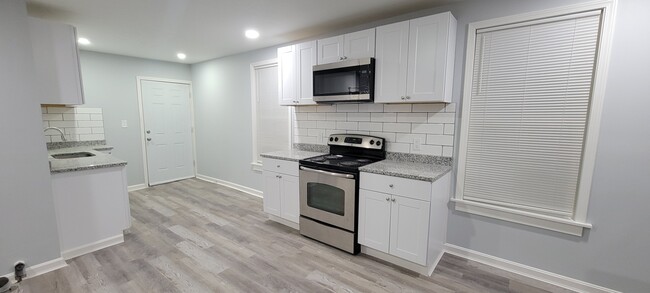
(281, 191)
(403, 221)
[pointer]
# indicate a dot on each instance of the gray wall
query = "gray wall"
(222, 102)
(109, 82)
(614, 253)
(28, 224)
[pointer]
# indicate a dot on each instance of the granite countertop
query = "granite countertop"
(410, 170)
(100, 160)
(291, 155)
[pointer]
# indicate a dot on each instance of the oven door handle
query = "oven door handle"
(348, 176)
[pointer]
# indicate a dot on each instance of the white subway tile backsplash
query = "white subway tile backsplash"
(78, 124)
(326, 124)
(371, 108)
(347, 107)
(358, 116)
(383, 117)
(337, 116)
(408, 137)
(445, 140)
(429, 107)
(449, 129)
(316, 116)
(399, 124)
(397, 127)
(398, 147)
(52, 117)
(397, 108)
(448, 151)
(76, 117)
(306, 124)
(370, 126)
(347, 125)
(441, 117)
(412, 117)
(427, 128)
(326, 108)
(431, 150)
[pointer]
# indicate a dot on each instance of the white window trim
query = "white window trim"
(576, 225)
(255, 164)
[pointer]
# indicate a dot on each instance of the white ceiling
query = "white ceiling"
(206, 29)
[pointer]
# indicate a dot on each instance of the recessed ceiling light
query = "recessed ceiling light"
(181, 56)
(83, 41)
(252, 34)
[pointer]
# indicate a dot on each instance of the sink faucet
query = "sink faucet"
(57, 129)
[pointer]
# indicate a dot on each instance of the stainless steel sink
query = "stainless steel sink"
(73, 155)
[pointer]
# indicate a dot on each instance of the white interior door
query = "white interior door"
(168, 131)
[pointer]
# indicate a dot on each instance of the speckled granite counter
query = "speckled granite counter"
(410, 170)
(100, 160)
(290, 155)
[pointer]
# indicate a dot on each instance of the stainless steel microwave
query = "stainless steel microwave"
(345, 81)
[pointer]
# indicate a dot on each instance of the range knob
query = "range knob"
(372, 142)
(336, 139)
(331, 139)
(378, 143)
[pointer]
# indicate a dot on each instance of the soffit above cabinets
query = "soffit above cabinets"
(209, 29)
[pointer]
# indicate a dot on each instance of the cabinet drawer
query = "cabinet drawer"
(280, 166)
(394, 185)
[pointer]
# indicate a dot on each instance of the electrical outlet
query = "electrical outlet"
(124, 124)
(417, 144)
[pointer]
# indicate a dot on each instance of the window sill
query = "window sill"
(257, 167)
(566, 226)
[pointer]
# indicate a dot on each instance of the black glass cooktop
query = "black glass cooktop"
(338, 162)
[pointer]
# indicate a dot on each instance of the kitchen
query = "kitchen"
(607, 255)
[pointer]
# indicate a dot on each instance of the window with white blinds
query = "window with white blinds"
(528, 113)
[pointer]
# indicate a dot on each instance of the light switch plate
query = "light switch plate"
(417, 143)
(124, 124)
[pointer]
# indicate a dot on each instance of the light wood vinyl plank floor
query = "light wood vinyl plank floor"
(195, 236)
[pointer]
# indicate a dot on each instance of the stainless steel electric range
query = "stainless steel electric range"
(329, 189)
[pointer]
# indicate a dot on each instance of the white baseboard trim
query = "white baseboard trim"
(137, 187)
(524, 270)
(42, 268)
(422, 270)
(251, 191)
(282, 221)
(88, 248)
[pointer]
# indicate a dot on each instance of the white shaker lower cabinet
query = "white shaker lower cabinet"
(281, 191)
(403, 221)
(92, 209)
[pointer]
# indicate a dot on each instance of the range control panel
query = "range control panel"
(357, 140)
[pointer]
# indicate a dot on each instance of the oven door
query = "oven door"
(328, 197)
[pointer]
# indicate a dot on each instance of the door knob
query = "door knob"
(148, 138)
(390, 185)
(148, 131)
(388, 199)
(392, 199)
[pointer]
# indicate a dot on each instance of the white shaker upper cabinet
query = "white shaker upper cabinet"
(287, 75)
(415, 60)
(56, 60)
(306, 59)
(354, 45)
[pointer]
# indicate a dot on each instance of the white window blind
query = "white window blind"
(273, 121)
(528, 113)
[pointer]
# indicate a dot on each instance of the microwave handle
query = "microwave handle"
(349, 176)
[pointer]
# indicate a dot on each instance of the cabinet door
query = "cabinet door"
(360, 44)
(272, 200)
(374, 219)
(287, 75)
(330, 49)
(391, 63)
(306, 58)
(290, 203)
(427, 58)
(56, 62)
(409, 227)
